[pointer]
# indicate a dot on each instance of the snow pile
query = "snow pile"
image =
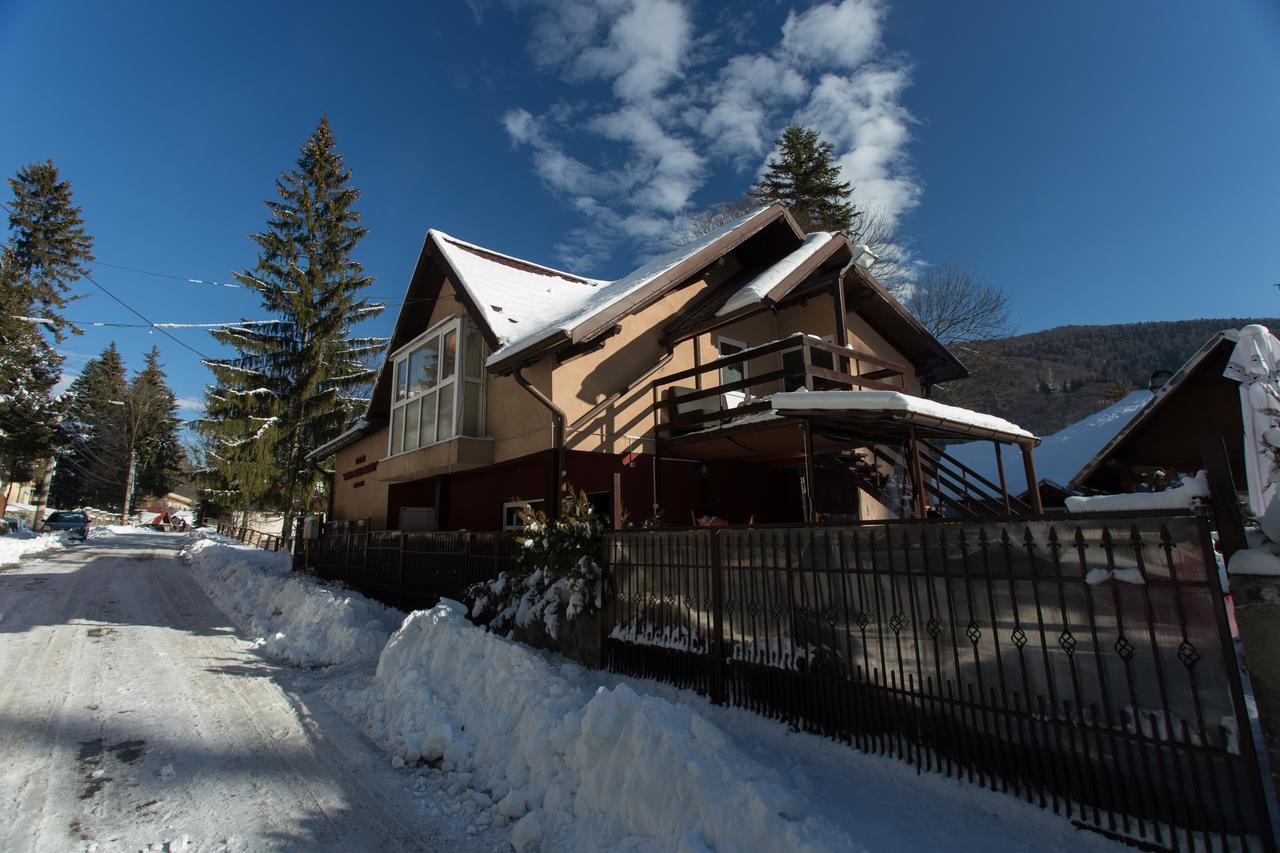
(575, 769)
(1182, 496)
(893, 402)
(758, 288)
(16, 546)
(296, 619)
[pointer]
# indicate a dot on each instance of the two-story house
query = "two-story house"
(756, 375)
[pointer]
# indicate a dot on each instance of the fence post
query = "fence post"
(717, 620)
(400, 573)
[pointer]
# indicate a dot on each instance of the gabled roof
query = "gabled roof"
(1157, 401)
(772, 283)
(1060, 455)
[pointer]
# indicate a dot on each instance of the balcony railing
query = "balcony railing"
(691, 408)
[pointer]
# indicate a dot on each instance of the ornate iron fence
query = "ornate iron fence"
(1085, 665)
(408, 570)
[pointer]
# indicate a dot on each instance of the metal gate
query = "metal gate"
(1085, 665)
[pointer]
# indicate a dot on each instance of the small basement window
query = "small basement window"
(511, 513)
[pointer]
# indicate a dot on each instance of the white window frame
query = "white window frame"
(460, 386)
(515, 525)
(732, 399)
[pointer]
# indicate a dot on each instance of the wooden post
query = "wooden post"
(617, 500)
(811, 509)
(1033, 482)
(917, 474)
(1004, 486)
(716, 685)
(1222, 496)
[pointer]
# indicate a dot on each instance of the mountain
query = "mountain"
(1044, 381)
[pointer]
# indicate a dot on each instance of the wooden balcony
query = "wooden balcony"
(705, 404)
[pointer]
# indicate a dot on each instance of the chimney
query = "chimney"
(1158, 379)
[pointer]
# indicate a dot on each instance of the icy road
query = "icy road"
(133, 716)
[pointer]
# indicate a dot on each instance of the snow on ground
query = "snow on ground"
(567, 758)
(15, 546)
(295, 619)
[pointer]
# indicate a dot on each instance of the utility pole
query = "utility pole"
(130, 437)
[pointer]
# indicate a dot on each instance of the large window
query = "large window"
(431, 401)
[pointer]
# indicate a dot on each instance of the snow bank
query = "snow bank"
(1181, 496)
(295, 618)
(575, 768)
(14, 547)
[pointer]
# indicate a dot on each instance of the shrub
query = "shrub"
(558, 575)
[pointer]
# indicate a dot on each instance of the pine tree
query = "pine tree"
(92, 470)
(298, 383)
(46, 252)
(802, 176)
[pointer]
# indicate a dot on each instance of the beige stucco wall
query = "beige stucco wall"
(370, 500)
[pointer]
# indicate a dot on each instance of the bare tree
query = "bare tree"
(958, 307)
(703, 222)
(893, 267)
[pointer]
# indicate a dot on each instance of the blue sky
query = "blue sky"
(1103, 162)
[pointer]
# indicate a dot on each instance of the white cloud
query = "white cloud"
(863, 116)
(686, 102)
(834, 36)
(191, 405)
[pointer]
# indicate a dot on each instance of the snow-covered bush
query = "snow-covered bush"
(557, 576)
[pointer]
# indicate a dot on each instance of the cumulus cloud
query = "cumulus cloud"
(685, 103)
(191, 405)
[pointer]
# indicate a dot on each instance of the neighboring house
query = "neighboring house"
(1060, 456)
(1167, 437)
(716, 380)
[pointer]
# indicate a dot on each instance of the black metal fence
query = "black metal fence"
(408, 570)
(1085, 665)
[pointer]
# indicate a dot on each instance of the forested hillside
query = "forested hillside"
(1046, 380)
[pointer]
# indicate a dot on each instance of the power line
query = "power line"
(140, 316)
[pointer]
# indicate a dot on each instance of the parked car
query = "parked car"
(76, 522)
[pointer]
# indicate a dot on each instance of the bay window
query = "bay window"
(431, 402)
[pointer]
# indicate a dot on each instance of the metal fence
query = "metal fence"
(408, 570)
(1083, 665)
(249, 536)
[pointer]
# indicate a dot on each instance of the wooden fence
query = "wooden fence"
(249, 536)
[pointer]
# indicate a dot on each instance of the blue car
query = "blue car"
(77, 523)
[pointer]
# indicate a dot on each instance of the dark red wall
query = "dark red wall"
(476, 497)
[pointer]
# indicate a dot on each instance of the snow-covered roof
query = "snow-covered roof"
(895, 402)
(1060, 455)
(525, 303)
(759, 287)
(1157, 398)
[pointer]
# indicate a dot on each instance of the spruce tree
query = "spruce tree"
(47, 251)
(801, 175)
(160, 457)
(298, 383)
(49, 248)
(92, 469)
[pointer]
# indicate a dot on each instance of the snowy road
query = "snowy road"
(132, 714)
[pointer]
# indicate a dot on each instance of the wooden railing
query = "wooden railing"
(249, 536)
(805, 375)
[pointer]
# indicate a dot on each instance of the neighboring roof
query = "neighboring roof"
(1158, 399)
(761, 287)
(1060, 455)
(894, 405)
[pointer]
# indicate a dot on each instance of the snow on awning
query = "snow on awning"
(899, 406)
(759, 287)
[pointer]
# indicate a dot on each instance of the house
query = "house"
(1060, 456)
(758, 374)
(1166, 438)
